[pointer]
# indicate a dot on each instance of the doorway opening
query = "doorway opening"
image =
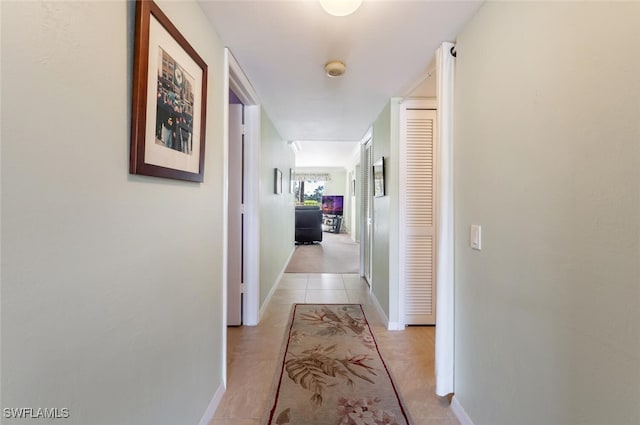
(235, 215)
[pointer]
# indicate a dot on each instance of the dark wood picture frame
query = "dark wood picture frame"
(277, 181)
(378, 178)
(169, 100)
(291, 180)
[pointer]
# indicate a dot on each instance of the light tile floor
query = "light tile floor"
(253, 352)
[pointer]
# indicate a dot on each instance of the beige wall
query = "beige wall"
(547, 160)
(111, 283)
(277, 224)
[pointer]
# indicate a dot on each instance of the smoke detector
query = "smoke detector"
(335, 68)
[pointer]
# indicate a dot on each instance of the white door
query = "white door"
(418, 214)
(234, 256)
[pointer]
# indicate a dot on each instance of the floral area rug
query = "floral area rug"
(331, 372)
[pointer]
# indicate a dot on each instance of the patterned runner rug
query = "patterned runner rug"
(331, 372)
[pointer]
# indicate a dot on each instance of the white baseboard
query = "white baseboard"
(263, 308)
(395, 326)
(460, 413)
(381, 312)
(213, 405)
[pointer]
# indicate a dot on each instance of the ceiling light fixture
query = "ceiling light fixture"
(295, 146)
(335, 68)
(340, 7)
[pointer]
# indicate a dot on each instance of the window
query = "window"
(308, 192)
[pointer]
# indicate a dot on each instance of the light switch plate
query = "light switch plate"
(475, 237)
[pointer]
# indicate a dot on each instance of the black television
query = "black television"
(332, 204)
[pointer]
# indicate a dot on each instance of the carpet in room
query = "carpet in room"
(336, 254)
(330, 372)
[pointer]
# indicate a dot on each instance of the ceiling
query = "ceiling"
(282, 46)
(327, 154)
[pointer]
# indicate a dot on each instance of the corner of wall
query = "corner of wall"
(380, 310)
(274, 285)
(460, 413)
(276, 224)
(213, 405)
(396, 298)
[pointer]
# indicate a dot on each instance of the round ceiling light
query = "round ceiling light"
(335, 68)
(340, 7)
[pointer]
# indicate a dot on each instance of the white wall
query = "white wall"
(111, 283)
(277, 225)
(547, 160)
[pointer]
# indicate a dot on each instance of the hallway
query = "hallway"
(253, 352)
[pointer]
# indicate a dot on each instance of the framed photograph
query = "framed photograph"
(378, 178)
(290, 180)
(169, 100)
(277, 177)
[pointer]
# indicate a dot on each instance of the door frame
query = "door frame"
(235, 239)
(238, 82)
(235, 79)
(365, 191)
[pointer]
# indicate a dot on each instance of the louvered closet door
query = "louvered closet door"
(417, 215)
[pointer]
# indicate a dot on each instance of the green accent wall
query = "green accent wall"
(277, 225)
(381, 147)
(547, 160)
(111, 283)
(385, 143)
